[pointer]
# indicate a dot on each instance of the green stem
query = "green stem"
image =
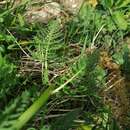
(27, 115)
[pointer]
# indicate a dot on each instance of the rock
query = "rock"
(41, 11)
(50, 10)
(43, 14)
(72, 6)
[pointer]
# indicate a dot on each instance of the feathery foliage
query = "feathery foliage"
(8, 76)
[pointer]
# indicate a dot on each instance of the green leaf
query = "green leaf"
(125, 66)
(119, 19)
(118, 57)
(8, 77)
(109, 3)
(1, 20)
(66, 122)
(21, 20)
(86, 127)
(122, 3)
(2, 49)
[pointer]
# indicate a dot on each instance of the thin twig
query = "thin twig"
(19, 44)
(95, 37)
(63, 85)
(113, 85)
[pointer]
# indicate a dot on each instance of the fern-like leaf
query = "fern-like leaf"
(47, 43)
(14, 110)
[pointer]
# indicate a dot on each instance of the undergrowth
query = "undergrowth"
(52, 76)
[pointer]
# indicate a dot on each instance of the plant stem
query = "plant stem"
(27, 115)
